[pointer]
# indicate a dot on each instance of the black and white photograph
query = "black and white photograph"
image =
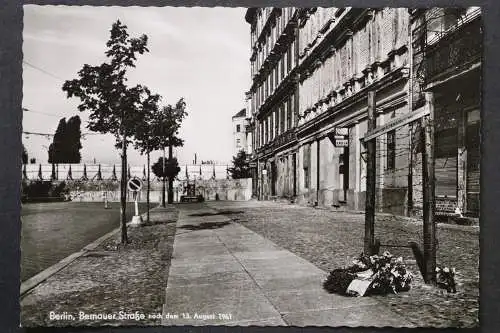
(274, 166)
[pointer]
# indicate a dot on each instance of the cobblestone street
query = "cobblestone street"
(332, 239)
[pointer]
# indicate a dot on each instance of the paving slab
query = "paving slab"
(246, 305)
(302, 300)
(219, 277)
(197, 269)
(356, 316)
(205, 259)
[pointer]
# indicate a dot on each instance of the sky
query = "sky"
(201, 54)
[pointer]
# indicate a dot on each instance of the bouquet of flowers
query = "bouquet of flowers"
(445, 278)
(370, 275)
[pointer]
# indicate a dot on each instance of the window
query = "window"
(289, 113)
(271, 77)
(267, 131)
(391, 150)
(282, 64)
(276, 74)
(289, 59)
(283, 116)
(271, 125)
(237, 128)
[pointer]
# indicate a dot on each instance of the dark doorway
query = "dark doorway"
(294, 169)
(346, 172)
(273, 178)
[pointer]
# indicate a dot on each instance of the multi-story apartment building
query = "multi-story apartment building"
(274, 99)
(239, 131)
(312, 70)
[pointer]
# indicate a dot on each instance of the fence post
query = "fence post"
(370, 179)
(429, 203)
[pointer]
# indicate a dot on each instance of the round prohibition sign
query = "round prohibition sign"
(134, 184)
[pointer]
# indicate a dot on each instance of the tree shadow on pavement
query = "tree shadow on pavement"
(205, 225)
(222, 212)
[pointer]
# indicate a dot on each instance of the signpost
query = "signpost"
(135, 185)
(340, 137)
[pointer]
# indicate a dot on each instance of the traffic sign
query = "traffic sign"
(134, 184)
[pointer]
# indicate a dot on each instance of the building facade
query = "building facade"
(312, 72)
(274, 99)
(239, 132)
(447, 62)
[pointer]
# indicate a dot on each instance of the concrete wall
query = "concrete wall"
(227, 189)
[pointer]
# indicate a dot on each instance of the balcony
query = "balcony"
(281, 140)
(455, 51)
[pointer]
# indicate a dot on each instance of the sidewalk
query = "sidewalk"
(331, 240)
(222, 273)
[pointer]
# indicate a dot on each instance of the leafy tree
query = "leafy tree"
(171, 170)
(241, 168)
(25, 155)
(66, 144)
(72, 140)
(113, 105)
(145, 141)
(56, 148)
(166, 131)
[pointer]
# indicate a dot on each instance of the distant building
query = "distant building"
(239, 132)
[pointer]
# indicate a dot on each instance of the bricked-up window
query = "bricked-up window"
(391, 150)
(238, 128)
(289, 113)
(289, 58)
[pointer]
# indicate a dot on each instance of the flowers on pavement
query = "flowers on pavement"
(376, 274)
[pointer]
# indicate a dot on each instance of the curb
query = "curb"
(35, 280)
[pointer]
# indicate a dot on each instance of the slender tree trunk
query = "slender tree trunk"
(170, 179)
(123, 186)
(147, 194)
(163, 181)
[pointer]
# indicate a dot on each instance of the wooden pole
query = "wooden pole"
(429, 204)
(409, 207)
(370, 179)
(462, 161)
